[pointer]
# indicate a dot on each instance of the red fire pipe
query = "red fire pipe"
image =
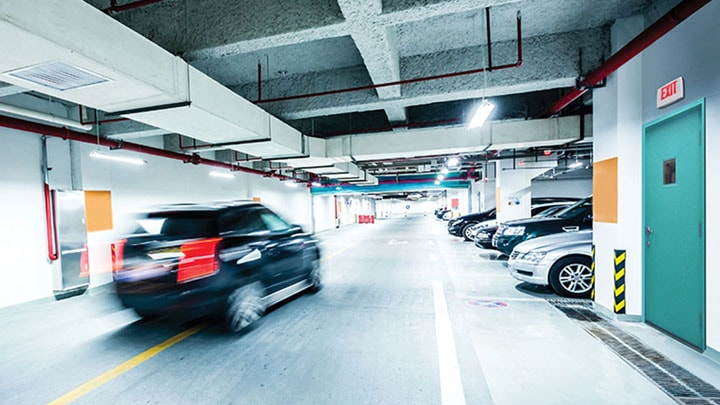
(50, 224)
(64, 133)
(415, 80)
(115, 8)
(646, 38)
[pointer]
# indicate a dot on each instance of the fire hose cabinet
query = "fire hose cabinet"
(71, 275)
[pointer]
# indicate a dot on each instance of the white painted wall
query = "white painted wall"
(620, 109)
(515, 187)
(324, 212)
(25, 273)
(561, 188)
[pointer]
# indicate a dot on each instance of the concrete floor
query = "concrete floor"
(409, 315)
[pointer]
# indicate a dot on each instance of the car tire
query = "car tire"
(245, 306)
(315, 277)
(466, 232)
(146, 314)
(571, 277)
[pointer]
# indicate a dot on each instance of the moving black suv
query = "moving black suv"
(575, 217)
(235, 259)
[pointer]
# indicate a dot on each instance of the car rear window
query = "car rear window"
(178, 225)
(579, 209)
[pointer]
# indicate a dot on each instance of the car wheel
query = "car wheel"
(467, 232)
(245, 306)
(146, 314)
(315, 278)
(572, 277)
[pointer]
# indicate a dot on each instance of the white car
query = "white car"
(560, 260)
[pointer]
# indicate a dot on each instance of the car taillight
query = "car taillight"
(200, 259)
(117, 250)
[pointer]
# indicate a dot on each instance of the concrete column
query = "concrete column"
(513, 187)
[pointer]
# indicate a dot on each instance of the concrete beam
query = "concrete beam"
(550, 61)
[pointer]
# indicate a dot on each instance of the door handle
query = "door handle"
(648, 230)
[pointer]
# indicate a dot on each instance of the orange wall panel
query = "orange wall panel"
(605, 191)
(98, 210)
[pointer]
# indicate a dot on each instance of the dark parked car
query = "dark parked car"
(573, 218)
(234, 259)
(460, 226)
(485, 231)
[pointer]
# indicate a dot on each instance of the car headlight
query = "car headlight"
(514, 230)
(533, 256)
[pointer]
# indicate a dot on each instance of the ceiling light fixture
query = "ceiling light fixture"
(316, 184)
(116, 158)
(444, 170)
(575, 165)
(481, 114)
(222, 175)
(291, 184)
(441, 177)
(453, 162)
(437, 182)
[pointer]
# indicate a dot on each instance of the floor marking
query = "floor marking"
(124, 367)
(450, 382)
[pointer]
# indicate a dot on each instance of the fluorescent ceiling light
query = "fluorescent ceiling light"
(441, 177)
(223, 175)
(444, 170)
(316, 184)
(437, 182)
(575, 165)
(453, 162)
(291, 184)
(117, 158)
(481, 114)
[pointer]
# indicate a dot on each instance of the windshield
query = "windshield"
(577, 210)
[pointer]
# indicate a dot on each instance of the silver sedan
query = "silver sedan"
(561, 260)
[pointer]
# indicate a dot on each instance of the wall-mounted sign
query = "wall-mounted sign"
(671, 92)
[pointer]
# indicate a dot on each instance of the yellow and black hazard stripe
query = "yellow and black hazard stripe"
(619, 281)
(592, 271)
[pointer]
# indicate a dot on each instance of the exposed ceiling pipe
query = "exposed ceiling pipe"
(66, 134)
(12, 109)
(518, 63)
(115, 8)
(646, 38)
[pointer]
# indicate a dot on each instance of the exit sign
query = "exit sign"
(671, 92)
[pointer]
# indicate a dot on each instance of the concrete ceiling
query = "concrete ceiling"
(310, 46)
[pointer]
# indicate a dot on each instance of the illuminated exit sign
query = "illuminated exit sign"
(671, 92)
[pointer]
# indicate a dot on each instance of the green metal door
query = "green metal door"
(674, 224)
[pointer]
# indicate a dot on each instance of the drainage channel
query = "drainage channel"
(677, 382)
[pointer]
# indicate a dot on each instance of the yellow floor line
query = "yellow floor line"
(124, 367)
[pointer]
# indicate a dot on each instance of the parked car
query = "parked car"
(483, 232)
(574, 218)
(441, 212)
(234, 259)
(561, 260)
(460, 226)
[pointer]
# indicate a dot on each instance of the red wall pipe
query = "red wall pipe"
(415, 80)
(646, 38)
(50, 224)
(64, 133)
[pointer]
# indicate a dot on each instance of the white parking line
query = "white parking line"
(450, 383)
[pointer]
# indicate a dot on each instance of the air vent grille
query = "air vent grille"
(58, 75)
